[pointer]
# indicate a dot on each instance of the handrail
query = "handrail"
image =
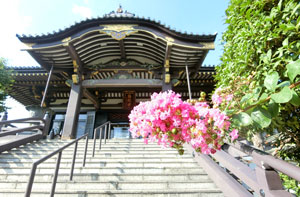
(59, 152)
(20, 130)
(268, 162)
(21, 120)
(100, 135)
(40, 130)
(264, 180)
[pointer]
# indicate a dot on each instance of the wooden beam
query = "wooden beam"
(72, 52)
(199, 64)
(167, 54)
(40, 61)
(122, 49)
(91, 97)
(111, 83)
(75, 57)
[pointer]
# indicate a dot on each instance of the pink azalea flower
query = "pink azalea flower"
(234, 134)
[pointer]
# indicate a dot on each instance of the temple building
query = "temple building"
(97, 70)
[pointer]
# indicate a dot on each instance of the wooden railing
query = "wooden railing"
(228, 172)
(11, 138)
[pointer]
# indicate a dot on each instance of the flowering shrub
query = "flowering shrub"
(172, 122)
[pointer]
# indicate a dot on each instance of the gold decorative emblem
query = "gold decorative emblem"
(118, 32)
(169, 39)
(66, 39)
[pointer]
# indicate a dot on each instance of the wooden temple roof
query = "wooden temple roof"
(118, 45)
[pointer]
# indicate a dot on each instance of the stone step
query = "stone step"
(106, 159)
(111, 185)
(104, 170)
(102, 151)
(104, 155)
(121, 193)
(52, 164)
(108, 177)
(122, 168)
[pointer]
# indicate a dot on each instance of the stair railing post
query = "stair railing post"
(94, 145)
(73, 161)
(100, 138)
(31, 179)
(267, 177)
(85, 150)
(55, 174)
(109, 130)
(105, 134)
(47, 124)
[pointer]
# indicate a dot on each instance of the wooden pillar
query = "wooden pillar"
(167, 84)
(73, 110)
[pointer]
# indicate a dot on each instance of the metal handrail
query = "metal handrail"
(100, 135)
(59, 152)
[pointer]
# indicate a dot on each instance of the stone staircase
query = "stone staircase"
(122, 168)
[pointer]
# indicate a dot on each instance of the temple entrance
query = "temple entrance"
(120, 130)
(120, 124)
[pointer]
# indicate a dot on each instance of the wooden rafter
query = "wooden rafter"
(40, 61)
(74, 56)
(199, 64)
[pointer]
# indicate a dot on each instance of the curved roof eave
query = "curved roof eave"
(61, 34)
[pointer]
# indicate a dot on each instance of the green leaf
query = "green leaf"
(284, 96)
(269, 54)
(256, 93)
(285, 42)
(295, 99)
(271, 81)
(242, 119)
(246, 98)
(273, 108)
(263, 97)
(293, 69)
(282, 84)
(261, 116)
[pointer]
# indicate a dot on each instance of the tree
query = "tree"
(261, 65)
(5, 83)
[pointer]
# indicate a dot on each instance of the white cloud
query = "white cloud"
(83, 11)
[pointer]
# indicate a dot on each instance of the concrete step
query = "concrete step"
(106, 159)
(107, 177)
(121, 193)
(104, 170)
(102, 151)
(111, 185)
(122, 168)
(100, 156)
(94, 164)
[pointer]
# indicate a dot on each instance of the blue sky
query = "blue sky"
(41, 16)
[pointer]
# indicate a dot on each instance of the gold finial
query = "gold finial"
(120, 9)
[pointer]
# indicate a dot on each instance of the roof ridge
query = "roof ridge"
(114, 16)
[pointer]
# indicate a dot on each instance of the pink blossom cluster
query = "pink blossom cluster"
(218, 98)
(172, 122)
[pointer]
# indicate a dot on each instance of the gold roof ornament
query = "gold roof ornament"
(118, 32)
